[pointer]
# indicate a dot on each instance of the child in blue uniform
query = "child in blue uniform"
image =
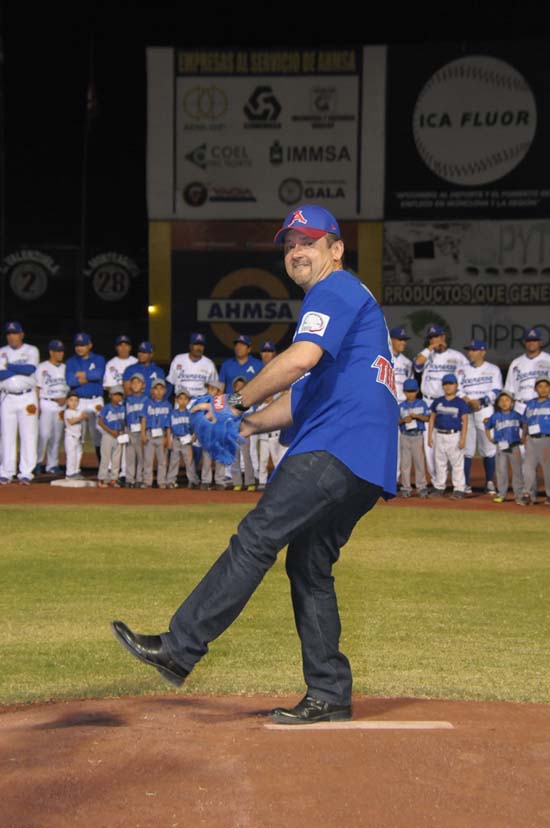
(505, 428)
(135, 410)
(413, 414)
(155, 434)
(111, 420)
(537, 444)
(182, 439)
(447, 435)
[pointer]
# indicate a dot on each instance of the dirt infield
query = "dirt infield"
(175, 762)
(169, 761)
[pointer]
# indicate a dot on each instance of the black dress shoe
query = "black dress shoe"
(311, 710)
(150, 649)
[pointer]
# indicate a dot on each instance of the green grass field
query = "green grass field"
(434, 603)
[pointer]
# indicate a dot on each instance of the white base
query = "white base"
(73, 484)
(364, 725)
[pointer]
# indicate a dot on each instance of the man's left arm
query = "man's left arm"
(273, 417)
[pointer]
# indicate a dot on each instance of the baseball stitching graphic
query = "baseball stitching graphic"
(474, 120)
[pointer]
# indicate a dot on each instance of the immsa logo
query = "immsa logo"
(307, 154)
(248, 310)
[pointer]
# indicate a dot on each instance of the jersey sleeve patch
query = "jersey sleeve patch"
(314, 322)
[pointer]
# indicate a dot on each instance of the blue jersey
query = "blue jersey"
(94, 365)
(231, 369)
(448, 413)
(113, 416)
(346, 404)
(410, 408)
(506, 425)
(158, 414)
(150, 372)
(181, 422)
(537, 417)
(135, 410)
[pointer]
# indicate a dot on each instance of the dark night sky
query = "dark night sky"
(46, 76)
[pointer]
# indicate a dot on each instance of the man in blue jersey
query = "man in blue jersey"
(342, 414)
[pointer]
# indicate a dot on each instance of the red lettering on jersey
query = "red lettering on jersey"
(385, 373)
(218, 402)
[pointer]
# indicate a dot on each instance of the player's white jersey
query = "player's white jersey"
(50, 379)
(523, 372)
(73, 430)
(191, 375)
(479, 381)
(114, 370)
(402, 370)
(25, 355)
(435, 368)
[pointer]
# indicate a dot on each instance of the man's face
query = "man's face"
(398, 345)
(439, 343)
(196, 350)
(476, 356)
(123, 350)
(308, 260)
(83, 350)
(241, 350)
(532, 346)
(144, 357)
(266, 356)
(57, 357)
(15, 340)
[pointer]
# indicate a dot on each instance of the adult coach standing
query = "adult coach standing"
(243, 364)
(19, 413)
(191, 371)
(342, 459)
(84, 373)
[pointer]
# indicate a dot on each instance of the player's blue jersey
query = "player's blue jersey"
(114, 416)
(94, 365)
(158, 414)
(537, 417)
(448, 413)
(231, 369)
(506, 426)
(346, 404)
(410, 408)
(181, 422)
(135, 410)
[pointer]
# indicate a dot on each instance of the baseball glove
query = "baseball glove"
(216, 427)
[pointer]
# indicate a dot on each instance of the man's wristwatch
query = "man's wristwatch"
(235, 400)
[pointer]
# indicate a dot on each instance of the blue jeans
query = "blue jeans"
(312, 504)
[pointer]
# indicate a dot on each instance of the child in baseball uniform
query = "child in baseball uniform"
(182, 439)
(447, 436)
(242, 465)
(135, 404)
(413, 415)
(156, 434)
(111, 421)
(74, 419)
(537, 443)
(505, 428)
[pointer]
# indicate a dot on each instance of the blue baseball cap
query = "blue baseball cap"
(410, 385)
(531, 334)
(82, 339)
(244, 339)
(123, 338)
(398, 333)
(55, 345)
(449, 378)
(14, 327)
(476, 345)
(310, 220)
(434, 330)
(197, 339)
(268, 346)
(145, 347)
